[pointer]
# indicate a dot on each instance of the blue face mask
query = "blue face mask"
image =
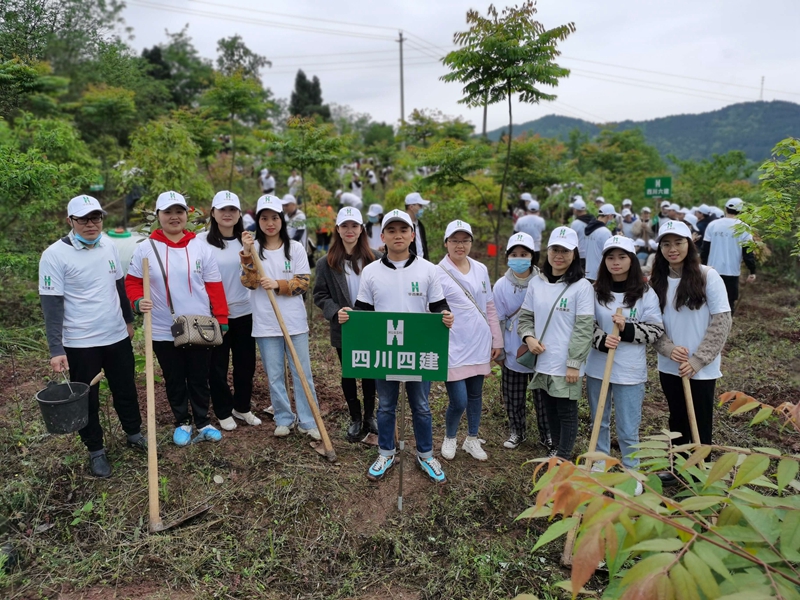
(519, 265)
(419, 213)
(86, 242)
(373, 219)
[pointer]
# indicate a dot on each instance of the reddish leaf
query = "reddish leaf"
(588, 555)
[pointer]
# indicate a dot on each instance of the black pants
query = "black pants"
(239, 342)
(117, 362)
(186, 379)
(732, 286)
(562, 415)
(350, 390)
(703, 400)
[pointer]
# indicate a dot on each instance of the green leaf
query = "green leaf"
(646, 566)
(708, 553)
(658, 545)
(76, 520)
(752, 467)
(88, 507)
(556, 530)
(746, 407)
(698, 455)
(790, 536)
(787, 470)
(763, 520)
(738, 533)
(765, 450)
(721, 468)
(702, 502)
(683, 583)
(702, 575)
(534, 512)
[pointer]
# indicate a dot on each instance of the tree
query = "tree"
(701, 181)
(378, 132)
(190, 74)
(235, 56)
(306, 98)
(502, 55)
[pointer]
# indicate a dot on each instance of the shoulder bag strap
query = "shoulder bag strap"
(466, 293)
(164, 275)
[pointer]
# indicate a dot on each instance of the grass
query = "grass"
(286, 523)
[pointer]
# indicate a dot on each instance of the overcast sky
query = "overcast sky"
(623, 54)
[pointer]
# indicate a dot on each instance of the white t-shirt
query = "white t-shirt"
(348, 199)
(353, 281)
(230, 269)
(630, 360)
(470, 336)
(403, 289)
(356, 188)
(533, 225)
(688, 327)
(594, 250)
(418, 241)
(375, 240)
(726, 245)
(87, 280)
(508, 301)
(627, 229)
(293, 310)
(371, 177)
(294, 183)
(580, 228)
(188, 269)
(577, 300)
(294, 224)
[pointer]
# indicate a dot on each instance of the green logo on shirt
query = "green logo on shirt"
(112, 266)
(47, 281)
(197, 266)
(287, 266)
(484, 286)
(633, 313)
(415, 287)
(562, 303)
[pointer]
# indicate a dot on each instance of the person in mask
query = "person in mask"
(372, 227)
(415, 207)
(89, 323)
(509, 292)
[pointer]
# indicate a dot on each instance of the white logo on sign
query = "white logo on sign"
(394, 333)
(658, 183)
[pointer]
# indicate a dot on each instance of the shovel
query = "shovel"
(156, 524)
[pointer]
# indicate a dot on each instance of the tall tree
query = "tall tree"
(501, 55)
(234, 55)
(306, 100)
(190, 74)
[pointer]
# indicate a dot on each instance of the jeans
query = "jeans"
(562, 414)
(116, 360)
(350, 390)
(417, 392)
(703, 400)
(273, 349)
(238, 342)
(186, 379)
(627, 401)
(465, 394)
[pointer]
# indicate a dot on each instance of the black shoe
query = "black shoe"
(354, 431)
(100, 465)
(371, 425)
(668, 479)
(139, 444)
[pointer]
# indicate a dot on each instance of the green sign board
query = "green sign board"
(658, 187)
(402, 346)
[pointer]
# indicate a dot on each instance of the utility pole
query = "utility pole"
(761, 96)
(485, 111)
(402, 92)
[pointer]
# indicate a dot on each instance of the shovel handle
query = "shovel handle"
(601, 400)
(96, 379)
(687, 394)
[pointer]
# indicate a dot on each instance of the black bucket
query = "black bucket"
(60, 413)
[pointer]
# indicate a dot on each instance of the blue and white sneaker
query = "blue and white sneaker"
(380, 467)
(431, 467)
(182, 435)
(209, 433)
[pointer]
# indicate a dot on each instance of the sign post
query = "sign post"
(656, 188)
(396, 347)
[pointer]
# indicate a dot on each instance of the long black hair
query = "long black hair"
(261, 237)
(214, 236)
(574, 272)
(692, 287)
(635, 286)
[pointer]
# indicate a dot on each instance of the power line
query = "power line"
(423, 63)
(419, 48)
(658, 89)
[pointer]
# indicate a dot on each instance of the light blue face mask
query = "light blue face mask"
(419, 213)
(373, 219)
(86, 242)
(519, 265)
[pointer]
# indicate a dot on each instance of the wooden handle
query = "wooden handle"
(601, 401)
(326, 441)
(687, 394)
(96, 379)
(152, 456)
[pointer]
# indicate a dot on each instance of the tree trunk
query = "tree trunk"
(233, 153)
(502, 192)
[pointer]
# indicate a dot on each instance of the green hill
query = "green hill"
(753, 127)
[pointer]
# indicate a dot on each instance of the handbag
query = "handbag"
(524, 356)
(190, 330)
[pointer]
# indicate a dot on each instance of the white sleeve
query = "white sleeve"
(299, 259)
(527, 304)
(51, 274)
(707, 234)
(115, 251)
(651, 309)
(584, 299)
(716, 293)
(211, 272)
(499, 301)
(435, 291)
(365, 289)
(135, 268)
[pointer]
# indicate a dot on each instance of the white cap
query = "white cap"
(638, 243)
(80, 206)
(348, 213)
(288, 199)
(674, 228)
(457, 225)
(626, 212)
(619, 241)
(608, 209)
(374, 210)
(264, 172)
(415, 198)
(736, 204)
(167, 199)
(693, 210)
(396, 215)
(674, 207)
(627, 202)
(665, 204)
(526, 196)
(578, 203)
(338, 193)
(225, 198)
(653, 244)
(717, 212)
(646, 209)
(600, 199)
(691, 219)
(703, 209)
(520, 239)
(683, 210)
(533, 206)
(269, 201)
(564, 236)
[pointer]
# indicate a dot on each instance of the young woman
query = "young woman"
(697, 320)
(287, 274)
(194, 288)
(620, 284)
(509, 292)
(475, 339)
(224, 235)
(556, 323)
(373, 226)
(338, 278)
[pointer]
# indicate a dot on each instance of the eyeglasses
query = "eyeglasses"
(462, 243)
(558, 250)
(85, 220)
(670, 245)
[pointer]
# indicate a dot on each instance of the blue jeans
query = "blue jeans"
(465, 395)
(627, 401)
(417, 392)
(273, 349)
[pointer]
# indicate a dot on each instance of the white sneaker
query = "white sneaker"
(227, 424)
(283, 430)
(313, 433)
(247, 417)
(599, 467)
(472, 446)
(270, 411)
(449, 448)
